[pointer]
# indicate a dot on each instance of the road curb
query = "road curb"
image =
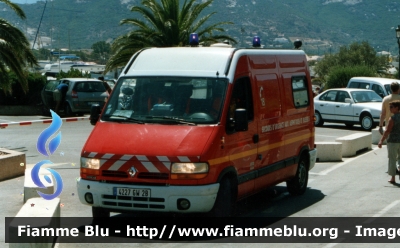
(48, 121)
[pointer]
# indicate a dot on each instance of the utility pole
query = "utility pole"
(39, 24)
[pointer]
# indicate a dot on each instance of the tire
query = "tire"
(366, 122)
(298, 184)
(318, 119)
(100, 212)
(224, 204)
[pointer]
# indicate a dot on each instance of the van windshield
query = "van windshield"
(166, 100)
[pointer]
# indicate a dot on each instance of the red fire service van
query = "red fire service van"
(195, 129)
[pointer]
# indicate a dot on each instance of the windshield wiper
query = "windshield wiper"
(176, 120)
(126, 118)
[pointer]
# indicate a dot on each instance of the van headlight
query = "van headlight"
(189, 168)
(90, 163)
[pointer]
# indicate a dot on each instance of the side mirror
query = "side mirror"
(348, 100)
(94, 114)
(241, 123)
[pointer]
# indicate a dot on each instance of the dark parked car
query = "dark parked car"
(81, 95)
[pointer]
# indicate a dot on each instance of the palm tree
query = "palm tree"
(166, 25)
(15, 53)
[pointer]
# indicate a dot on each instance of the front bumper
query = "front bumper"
(163, 198)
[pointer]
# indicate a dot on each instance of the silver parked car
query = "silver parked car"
(81, 95)
(348, 106)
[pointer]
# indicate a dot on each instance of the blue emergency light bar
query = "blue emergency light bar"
(256, 41)
(194, 39)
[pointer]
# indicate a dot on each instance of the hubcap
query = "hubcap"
(366, 122)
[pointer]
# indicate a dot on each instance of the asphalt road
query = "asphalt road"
(355, 187)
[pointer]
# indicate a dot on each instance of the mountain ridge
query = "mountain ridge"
(323, 25)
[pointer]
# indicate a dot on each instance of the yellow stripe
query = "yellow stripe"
(261, 149)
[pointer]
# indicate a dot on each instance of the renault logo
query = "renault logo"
(132, 171)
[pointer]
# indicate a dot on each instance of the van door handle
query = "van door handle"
(256, 138)
(337, 106)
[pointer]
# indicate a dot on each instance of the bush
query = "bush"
(339, 76)
(36, 83)
(73, 73)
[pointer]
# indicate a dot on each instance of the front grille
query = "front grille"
(152, 175)
(130, 202)
(110, 173)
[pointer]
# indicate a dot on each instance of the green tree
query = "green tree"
(101, 50)
(357, 54)
(167, 25)
(15, 52)
(339, 76)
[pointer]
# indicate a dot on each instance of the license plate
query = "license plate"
(132, 192)
(91, 103)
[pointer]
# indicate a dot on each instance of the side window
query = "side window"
(378, 89)
(241, 98)
(353, 85)
(364, 86)
(329, 96)
(388, 90)
(342, 95)
(300, 92)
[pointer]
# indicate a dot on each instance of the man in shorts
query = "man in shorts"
(385, 113)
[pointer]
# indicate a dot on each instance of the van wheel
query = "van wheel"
(366, 122)
(224, 204)
(298, 184)
(318, 119)
(100, 212)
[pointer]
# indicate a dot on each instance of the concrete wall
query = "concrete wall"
(12, 164)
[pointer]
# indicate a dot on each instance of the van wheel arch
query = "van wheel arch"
(298, 184)
(224, 205)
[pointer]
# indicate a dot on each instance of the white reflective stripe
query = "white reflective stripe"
(183, 159)
(102, 161)
(117, 165)
(107, 155)
(142, 158)
(126, 157)
(167, 165)
(163, 158)
(150, 167)
(92, 154)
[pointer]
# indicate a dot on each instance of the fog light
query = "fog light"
(183, 204)
(89, 198)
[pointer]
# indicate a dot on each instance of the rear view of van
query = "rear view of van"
(380, 85)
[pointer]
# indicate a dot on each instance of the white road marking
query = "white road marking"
(383, 211)
(332, 244)
(337, 166)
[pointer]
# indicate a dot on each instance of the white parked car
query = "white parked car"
(348, 106)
